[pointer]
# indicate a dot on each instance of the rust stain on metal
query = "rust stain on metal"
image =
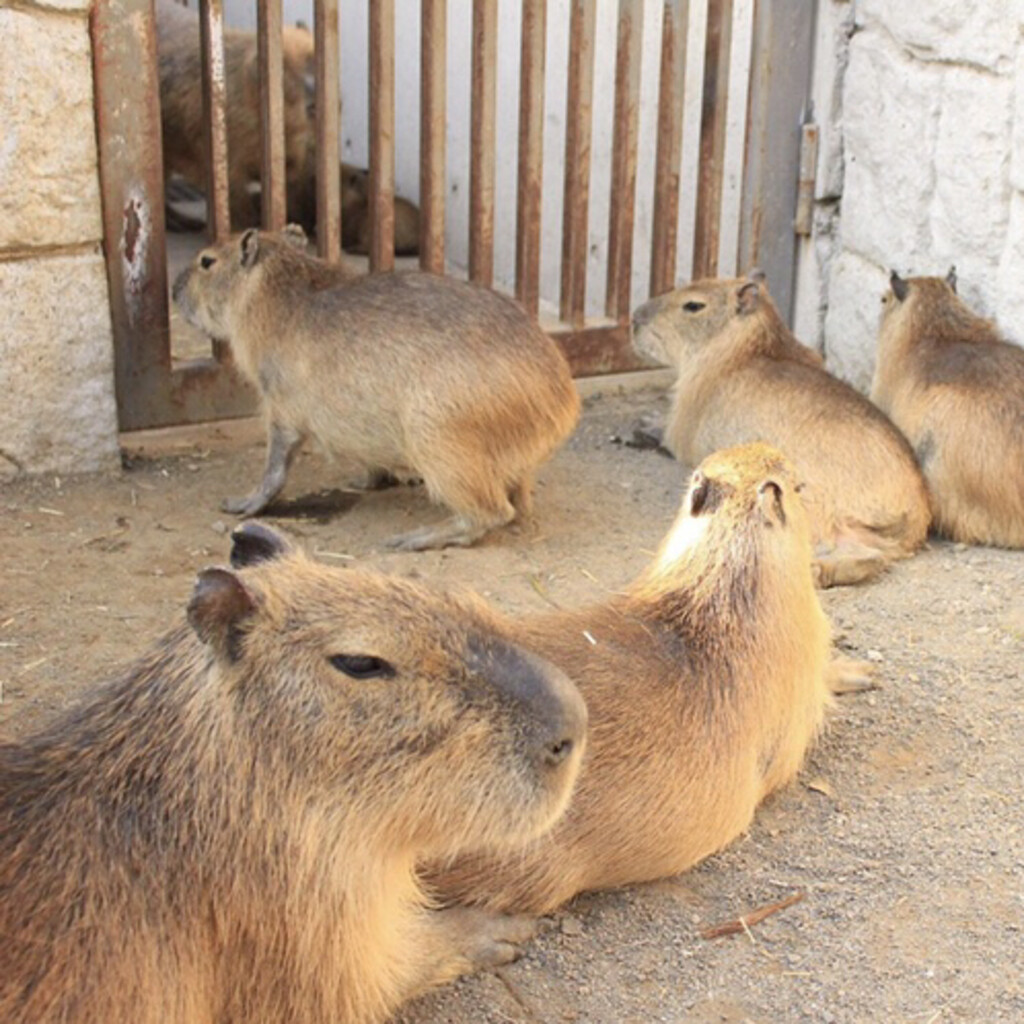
(273, 200)
(481, 146)
(624, 143)
(598, 349)
(432, 135)
(668, 155)
(328, 153)
(531, 154)
(712, 138)
(579, 111)
(211, 39)
(382, 135)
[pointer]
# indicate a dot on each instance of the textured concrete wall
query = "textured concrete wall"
(56, 352)
(931, 117)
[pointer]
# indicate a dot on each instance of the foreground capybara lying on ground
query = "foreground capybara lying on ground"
(744, 377)
(956, 389)
(409, 374)
(229, 831)
(705, 681)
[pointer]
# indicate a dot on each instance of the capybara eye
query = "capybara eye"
(693, 306)
(362, 666)
(207, 261)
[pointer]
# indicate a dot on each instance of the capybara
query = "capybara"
(229, 832)
(743, 376)
(705, 681)
(181, 108)
(415, 374)
(355, 214)
(956, 389)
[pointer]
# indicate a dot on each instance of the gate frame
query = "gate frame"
(151, 392)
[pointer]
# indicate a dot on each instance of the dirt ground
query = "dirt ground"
(904, 831)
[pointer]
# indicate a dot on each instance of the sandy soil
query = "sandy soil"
(904, 832)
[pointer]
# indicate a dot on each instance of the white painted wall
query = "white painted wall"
(927, 163)
(354, 78)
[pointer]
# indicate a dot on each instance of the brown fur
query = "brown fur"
(956, 389)
(744, 377)
(355, 214)
(229, 832)
(416, 374)
(181, 108)
(706, 681)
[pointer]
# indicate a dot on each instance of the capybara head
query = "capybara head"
(412, 708)
(741, 514)
(910, 297)
(673, 328)
(221, 274)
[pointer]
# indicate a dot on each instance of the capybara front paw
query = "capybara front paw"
(250, 505)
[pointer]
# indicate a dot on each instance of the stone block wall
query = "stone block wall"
(56, 351)
(931, 121)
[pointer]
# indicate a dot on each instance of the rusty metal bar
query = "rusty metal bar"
(578, 116)
(624, 142)
(432, 135)
(382, 135)
(597, 348)
(132, 183)
(481, 145)
(328, 153)
(714, 110)
(211, 42)
(669, 152)
(531, 154)
(269, 24)
(778, 99)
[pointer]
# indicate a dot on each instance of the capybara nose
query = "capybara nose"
(179, 285)
(644, 315)
(555, 717)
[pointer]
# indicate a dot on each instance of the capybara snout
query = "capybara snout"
(552, 711)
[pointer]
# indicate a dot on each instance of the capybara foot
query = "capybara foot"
(847, 563)
(481, 939)
(250, 505)
(848, 676)
(455, 532)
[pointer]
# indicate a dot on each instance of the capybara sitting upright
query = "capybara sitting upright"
(956, 389)
(230, 831)
(744, 377)
(413, 374)
(705, 682)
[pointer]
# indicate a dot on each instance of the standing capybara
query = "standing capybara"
(744, 377)
(705, 682)
(181, 108)
(413, 374)
(956, 389)
(230, 832)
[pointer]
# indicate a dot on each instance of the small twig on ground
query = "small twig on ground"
(745, 921)
(542, 590)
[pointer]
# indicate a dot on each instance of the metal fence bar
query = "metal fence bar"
(432, 135)
(714, 110)
(624, 142)
(328, 153)
(669, 152)
(273, 200)
(578, 118)
(779, 97)
(481, 144)
(531, 154)
(382, 135)
(211, 42)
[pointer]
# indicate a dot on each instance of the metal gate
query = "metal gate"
(151, 391)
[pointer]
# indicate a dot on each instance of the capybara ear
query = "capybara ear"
(757, 275)
(951, 279)
(295, 236)
(220, 603)
(769, 501)
(748, 298)
(898, 285)
(249, 247)
(700, 489)
(253, 542)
